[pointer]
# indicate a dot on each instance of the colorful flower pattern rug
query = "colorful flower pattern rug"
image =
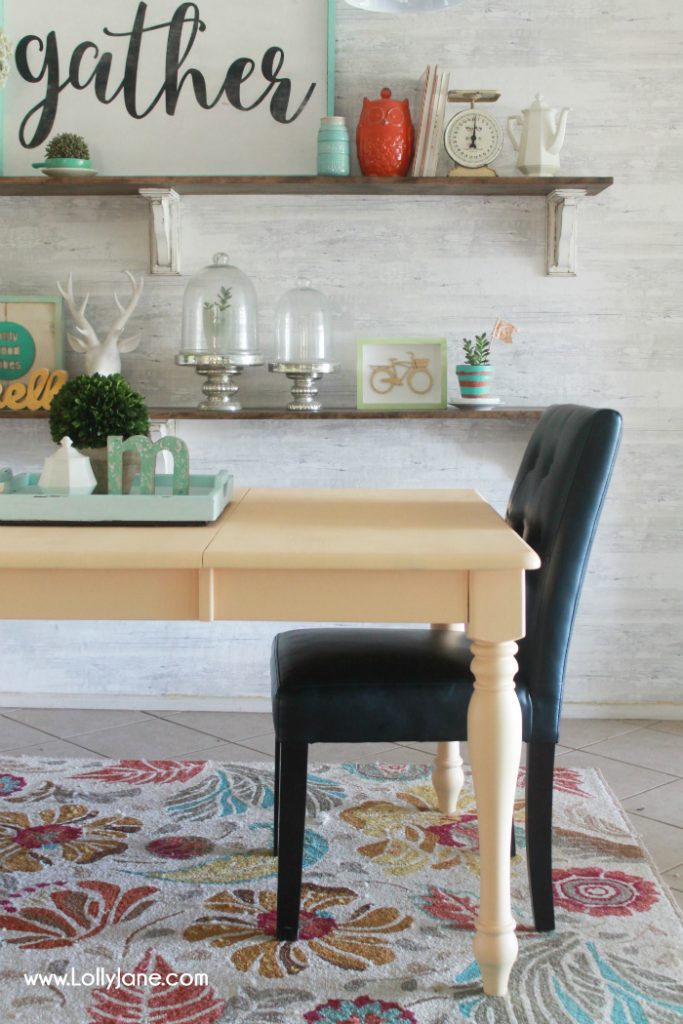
(150, 871)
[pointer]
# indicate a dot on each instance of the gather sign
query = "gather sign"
(168, 87)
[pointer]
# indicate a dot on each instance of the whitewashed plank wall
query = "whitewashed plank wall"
(611, 336)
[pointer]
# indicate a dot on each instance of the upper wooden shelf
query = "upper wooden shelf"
(38, 185)
(164, 195)
(451, 413)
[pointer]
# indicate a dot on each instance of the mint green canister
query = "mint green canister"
(333, 146)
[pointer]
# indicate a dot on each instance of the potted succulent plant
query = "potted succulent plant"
(89, 409)
(475, 375)
(67, 153)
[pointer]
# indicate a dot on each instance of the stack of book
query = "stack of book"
(429, 131)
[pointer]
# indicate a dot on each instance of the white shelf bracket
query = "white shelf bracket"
(164, 229)
(563, 222)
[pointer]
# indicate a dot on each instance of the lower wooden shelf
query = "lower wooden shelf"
(504, 412)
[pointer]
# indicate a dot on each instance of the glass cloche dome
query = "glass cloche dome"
(220, 315)
(303, 326)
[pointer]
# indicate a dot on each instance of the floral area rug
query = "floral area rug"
(143, 892)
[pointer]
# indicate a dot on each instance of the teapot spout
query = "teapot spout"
(556, 144)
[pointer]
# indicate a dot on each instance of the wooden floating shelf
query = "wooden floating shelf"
(514, 185)
(164, 194)
(189, 413)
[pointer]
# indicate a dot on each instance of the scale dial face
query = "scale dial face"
(473, 138)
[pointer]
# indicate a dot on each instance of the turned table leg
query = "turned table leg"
(494, 730)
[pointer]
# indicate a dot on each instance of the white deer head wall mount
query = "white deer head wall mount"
(102, 357)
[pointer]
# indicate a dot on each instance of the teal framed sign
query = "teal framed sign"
(167, 87)
(401, 373)
(31, 335)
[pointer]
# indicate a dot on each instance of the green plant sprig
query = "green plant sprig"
(88, 409)
(67, 147)
(477, 352)
(222, 302)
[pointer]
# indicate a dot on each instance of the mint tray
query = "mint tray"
(22, 502)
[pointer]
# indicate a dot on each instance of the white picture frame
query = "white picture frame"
(170, 102)
(401, 373)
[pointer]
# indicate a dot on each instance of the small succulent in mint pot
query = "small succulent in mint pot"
(67, 147)
(66, 151)
(89, 409)
(475, 375)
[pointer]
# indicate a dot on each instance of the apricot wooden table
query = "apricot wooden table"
(432, 556)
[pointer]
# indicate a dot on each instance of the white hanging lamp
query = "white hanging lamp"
(402, 6)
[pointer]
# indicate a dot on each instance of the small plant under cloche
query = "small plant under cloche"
(90, 408)
(67, 147)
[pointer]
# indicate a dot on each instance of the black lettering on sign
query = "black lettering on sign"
(38, 62)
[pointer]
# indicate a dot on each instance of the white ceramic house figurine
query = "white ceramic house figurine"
(66, 471)
(102, 357)
(538, 149)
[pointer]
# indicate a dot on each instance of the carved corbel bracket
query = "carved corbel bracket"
(164, 229)
(563, 220)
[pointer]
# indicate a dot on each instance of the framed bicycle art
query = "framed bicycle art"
(401, 373)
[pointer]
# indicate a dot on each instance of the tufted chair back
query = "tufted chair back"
(555, 505)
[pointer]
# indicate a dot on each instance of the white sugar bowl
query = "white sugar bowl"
(67, 471)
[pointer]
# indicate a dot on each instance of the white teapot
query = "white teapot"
(542, 137)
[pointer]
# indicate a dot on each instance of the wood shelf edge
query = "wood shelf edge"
(191, 413)
(505, 185)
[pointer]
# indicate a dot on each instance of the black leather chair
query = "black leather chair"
(369, 685)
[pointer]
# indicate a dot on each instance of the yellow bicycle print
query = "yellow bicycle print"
(414, 375)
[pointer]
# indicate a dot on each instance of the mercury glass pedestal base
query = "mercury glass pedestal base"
(219, 386)
(305, 377)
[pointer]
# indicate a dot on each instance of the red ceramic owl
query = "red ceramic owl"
(384, 137)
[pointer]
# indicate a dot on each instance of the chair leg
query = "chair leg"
(539, 819)
(513, 841)
(448, 776)
(292, 815)
(276, 797)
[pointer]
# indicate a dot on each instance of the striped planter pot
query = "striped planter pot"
(475, 381)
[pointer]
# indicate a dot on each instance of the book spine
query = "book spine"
(422, 122)
(435, 139)
(420, 163)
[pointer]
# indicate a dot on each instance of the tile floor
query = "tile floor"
(641, 760)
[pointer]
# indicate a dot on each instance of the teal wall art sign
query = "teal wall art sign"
(17, 350)
(31, 335)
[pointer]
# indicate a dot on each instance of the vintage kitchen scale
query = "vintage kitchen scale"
(473, 138)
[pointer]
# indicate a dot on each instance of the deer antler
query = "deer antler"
(114, 336)
(89, 338)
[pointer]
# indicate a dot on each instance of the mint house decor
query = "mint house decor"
(89, 409)
(171, 88)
